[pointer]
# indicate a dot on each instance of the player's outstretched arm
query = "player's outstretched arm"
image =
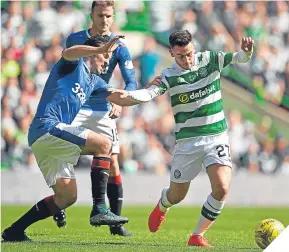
(80, 51)
(244, 55)
(130, 98)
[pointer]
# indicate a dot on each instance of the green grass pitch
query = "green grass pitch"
(233, 230)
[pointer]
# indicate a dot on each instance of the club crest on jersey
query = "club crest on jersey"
(184, 98)
(203, 72)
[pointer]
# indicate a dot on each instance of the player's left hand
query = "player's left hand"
(247, 44)
(115, 111)
(111, 45)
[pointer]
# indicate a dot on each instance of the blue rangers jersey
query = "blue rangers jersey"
(120, 56)
(67, 88)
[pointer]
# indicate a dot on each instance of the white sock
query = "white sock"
(211, 209)
(164, 202)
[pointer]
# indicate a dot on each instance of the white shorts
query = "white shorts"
(99, 122)
(191, 155)
(58, 151)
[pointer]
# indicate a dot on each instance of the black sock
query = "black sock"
(41, 210)
(99, 175)
(115, 194)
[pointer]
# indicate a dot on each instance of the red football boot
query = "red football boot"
(156, 219)
(199, 240)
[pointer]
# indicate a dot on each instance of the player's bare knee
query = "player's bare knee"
(98, 144)
(220, 192)
(105, 147)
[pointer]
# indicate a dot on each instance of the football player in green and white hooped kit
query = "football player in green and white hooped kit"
(193, 82)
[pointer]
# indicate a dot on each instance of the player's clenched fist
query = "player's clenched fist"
(247, 44)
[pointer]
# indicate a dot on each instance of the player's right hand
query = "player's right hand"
(156, 81)
(111, 45)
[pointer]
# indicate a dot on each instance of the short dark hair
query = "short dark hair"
(97, 40)
(102, 3)
(180, 38)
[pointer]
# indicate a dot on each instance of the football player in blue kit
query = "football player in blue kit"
(98, 117)
(56, 144)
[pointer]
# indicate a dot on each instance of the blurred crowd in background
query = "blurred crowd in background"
(33, 37)
(220, 25)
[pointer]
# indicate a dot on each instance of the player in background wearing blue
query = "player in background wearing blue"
(56, 144)
(96, 116)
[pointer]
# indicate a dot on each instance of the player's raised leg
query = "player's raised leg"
(115, 194)
(220, 178)
(100, 146)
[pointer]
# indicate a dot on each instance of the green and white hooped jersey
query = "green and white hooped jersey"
(196, 96)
